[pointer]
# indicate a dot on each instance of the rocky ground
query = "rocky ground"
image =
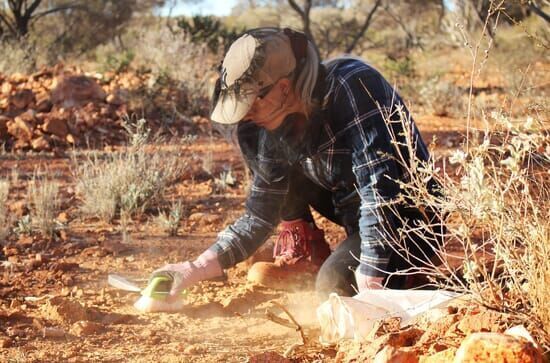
(55, 304)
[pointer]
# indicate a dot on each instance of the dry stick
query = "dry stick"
(293, 325)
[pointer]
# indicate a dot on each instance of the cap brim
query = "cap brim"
(232, 108)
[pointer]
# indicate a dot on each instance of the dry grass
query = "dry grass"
(496, 209)
(44, 204)
(126, 182)
(5, 221)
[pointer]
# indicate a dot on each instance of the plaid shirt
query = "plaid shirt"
(345, 148)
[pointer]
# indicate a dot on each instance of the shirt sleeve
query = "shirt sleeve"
(365, 103)
(241, 239)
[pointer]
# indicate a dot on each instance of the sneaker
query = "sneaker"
(300, 241)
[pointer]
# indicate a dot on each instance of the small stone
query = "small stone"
(83, 328)
(5, 342)
(6, 89)
(40, 144)
(63, 217)
(396, 355)
(56, 126)
(496, 347)
(18, 208)
(21, 99)
(114, 99)
(20, 129)
(4, 126)
(486, 320)
(53, 332)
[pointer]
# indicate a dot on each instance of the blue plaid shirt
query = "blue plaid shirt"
(345, 147)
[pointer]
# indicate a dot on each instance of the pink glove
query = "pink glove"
(365, 282)
(186, 274)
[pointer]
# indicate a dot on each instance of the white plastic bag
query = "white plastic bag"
(354, 317)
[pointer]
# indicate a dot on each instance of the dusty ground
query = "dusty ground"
(55, 304)
(223, 321)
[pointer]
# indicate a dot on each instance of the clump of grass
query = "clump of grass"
(44, 204)
(5, 220)
(127, 182)
(225, 181)
(169, 222)
(496, 209)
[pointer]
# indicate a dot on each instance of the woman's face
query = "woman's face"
(270, 109)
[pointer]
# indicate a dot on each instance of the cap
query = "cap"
(256, 60)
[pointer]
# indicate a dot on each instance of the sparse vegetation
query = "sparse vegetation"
(442, 98)
(169, 221)
(501, 180)
(225, 181)
(44, 204)
(128, 181)
(5, 221)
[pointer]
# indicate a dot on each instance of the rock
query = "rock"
(496, 347)
(5, 343)
(40, 143)
(447, 355)
(485, 320)
(20, 129)
(115, 99)
(204, 218)
(396, 355)
(114, 247)
(43, 102)
(63, 217)
(4, 126)
(64, 266)
(56, 126)
(72, 91)
(6, 89)
(271, 357)
(22, 99)
(83, 328)
(19, 208)
(53, 332)
(65, 310)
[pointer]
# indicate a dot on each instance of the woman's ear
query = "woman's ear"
(285, 85)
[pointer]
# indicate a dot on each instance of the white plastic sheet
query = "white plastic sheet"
(354, 317)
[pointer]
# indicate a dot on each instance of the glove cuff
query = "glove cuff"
(208, 266)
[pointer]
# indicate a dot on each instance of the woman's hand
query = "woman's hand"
(186, 274)
(365, 282)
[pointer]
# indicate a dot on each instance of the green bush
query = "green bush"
(208, 30)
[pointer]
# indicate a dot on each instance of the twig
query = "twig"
(292, 324)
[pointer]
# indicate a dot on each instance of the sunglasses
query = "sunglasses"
(264, 91)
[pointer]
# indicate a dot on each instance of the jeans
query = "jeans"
(337, 272)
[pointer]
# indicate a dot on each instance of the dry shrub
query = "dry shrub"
(169, 53)
(495, 204)
(44, 204)
(129, 181)
(5, 222)
(442, 98)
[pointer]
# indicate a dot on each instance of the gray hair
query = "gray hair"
(305, 81)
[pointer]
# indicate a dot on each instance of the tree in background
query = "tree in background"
(79, 18)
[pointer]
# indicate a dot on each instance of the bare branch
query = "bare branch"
(73, 6)
(364, 28)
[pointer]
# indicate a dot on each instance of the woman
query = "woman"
(316, 135)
